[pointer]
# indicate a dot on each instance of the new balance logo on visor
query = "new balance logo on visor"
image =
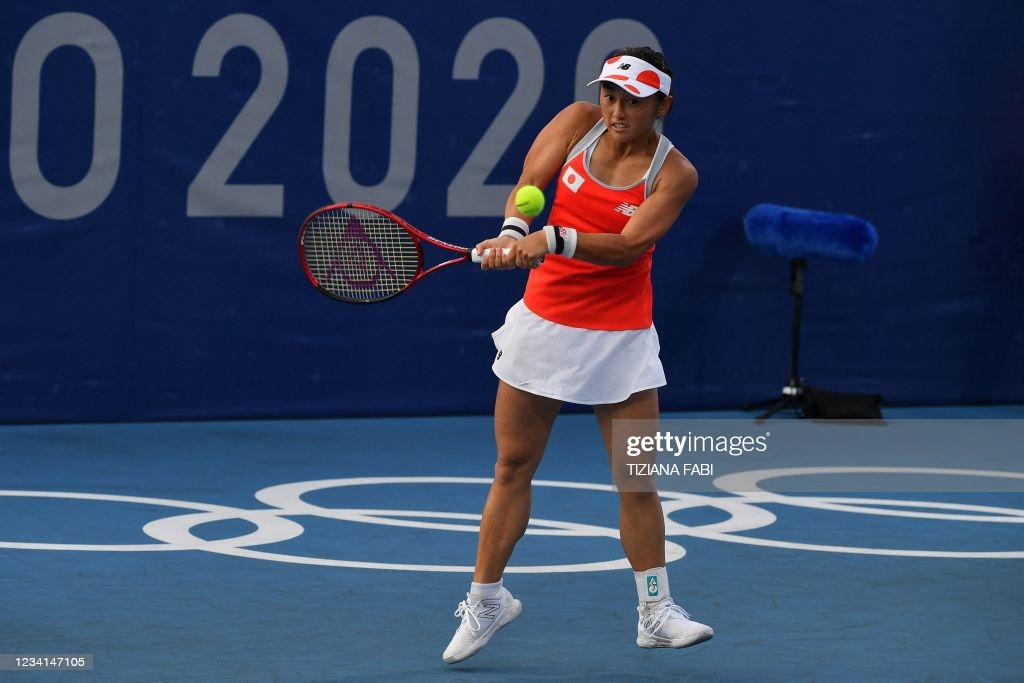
(626, 209)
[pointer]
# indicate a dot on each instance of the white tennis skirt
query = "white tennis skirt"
(574, 364)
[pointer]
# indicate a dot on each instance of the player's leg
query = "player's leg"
(662, 623)
(522, 425)
(641, 519)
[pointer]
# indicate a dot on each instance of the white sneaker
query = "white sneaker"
(480, 621)
(666, 624)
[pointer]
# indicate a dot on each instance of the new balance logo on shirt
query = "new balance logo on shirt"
(626, 209)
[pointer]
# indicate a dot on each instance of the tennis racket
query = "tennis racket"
(363, 254)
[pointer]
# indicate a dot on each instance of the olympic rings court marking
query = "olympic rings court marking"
(272, 524)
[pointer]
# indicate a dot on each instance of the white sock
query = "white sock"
(652, 585)
(483, 591)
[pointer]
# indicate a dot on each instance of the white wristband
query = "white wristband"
(571, 238)
(561, 240)
(549, 232)
(514, 227)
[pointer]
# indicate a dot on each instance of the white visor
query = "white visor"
(635, 75)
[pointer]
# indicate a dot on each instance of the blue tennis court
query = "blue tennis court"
(337, 550)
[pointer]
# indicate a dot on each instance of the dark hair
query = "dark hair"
(649, 55)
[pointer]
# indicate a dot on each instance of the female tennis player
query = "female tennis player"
(583, 331)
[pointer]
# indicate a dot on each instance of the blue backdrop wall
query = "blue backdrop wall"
(162, 156)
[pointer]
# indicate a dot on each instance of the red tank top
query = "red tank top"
(580, 294)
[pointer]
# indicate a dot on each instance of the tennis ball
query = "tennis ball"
(530, 200)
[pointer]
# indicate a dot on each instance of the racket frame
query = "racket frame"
(418, 237)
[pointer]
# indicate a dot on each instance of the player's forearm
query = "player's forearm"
(608, 249)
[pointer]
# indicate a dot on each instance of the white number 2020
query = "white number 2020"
(210, 193)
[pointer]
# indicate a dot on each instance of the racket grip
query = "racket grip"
(478, 257)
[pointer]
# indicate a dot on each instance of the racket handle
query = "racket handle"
(478, 257)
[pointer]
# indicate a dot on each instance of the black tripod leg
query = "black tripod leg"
(761, 404)
(784, 402)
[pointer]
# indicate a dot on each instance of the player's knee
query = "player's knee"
(640, 499)
(514, 468)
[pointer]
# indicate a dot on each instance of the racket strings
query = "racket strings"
(360, 256)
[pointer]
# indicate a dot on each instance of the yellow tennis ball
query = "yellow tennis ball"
(530, 200)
